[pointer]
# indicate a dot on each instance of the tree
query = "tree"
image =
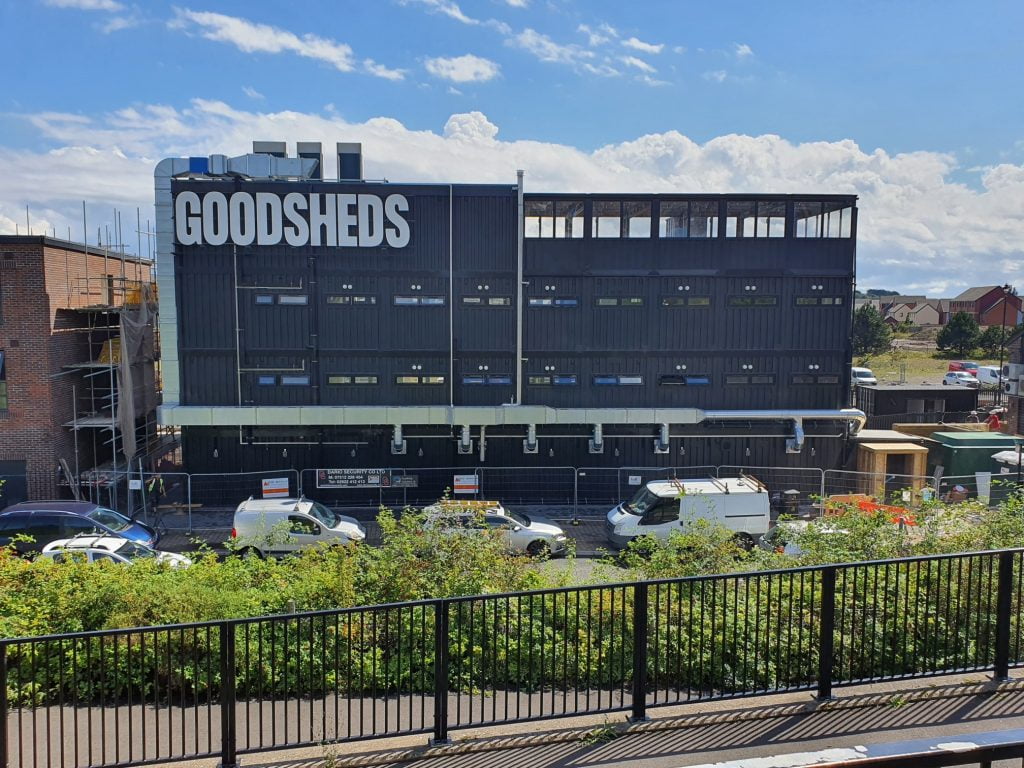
(992, 340)
(961, 334)
(871, 334)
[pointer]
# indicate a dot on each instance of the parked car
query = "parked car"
(115, 549)
(47, 521)
(989, 377)
(265, 527)
(531, 534)
(862, 376)
(964, 365)
(960, 378)
(741, 504)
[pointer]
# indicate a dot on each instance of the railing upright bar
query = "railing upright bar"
(3, 705)
(228, 735)
(826, 639)
(1004, 613)
(440, 672)
(639, 712)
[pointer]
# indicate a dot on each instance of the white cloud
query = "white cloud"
(640, 45)
(463, 69)
(251, 92)
(633, 61)
(379, 70)
(453, 91)
(919, 229)
(517, 3)
(86, 5)
(717, 75)
(679, 49)
(447, 8)
(652, 81)
(742, 50)
(252, 37)
(546, 49)
(598, 36)
(118, 23)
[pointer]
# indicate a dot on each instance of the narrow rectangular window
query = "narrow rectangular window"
(771, 219)
(339, 300)
(801, 378)
(672, 379)
(264, 299)
(3, 381)
(703, 219)
(538, 380)
(806, 219)
(433, 379)
(673, 301)
(564, 380)
(630, 381)
(607, 301)
(407, 379)
(339, 379)
(541, 302)
(473, 380)
(807, 301)
(499, 301)
(432, 301)
(739, 218)
(753, 301)
(295, 381)
(735, 378)
(538, 218)
(607, 380)
(473, 301)
(673, 219)
(364, 300)
(698, 380)
(698, 301)
(499, 379)
(631, 301)
(265, 380)
(407, 301)
(292, 299)
(569, 219)
(638, 218)
(567, 302)
(351, 379)
(606, 219)
(763, 378)
(828, 379)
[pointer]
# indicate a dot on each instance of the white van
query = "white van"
(280, 526)
(740, 504)
(989, 377)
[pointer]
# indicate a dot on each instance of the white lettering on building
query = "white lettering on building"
(300, 219)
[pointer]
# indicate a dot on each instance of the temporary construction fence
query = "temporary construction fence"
(226, 688)
(183, 502)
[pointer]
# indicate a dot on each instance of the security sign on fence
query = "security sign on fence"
(275, 487)
(466, 484)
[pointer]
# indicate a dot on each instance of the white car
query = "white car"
(862, 376)
(530, 534)
(281, 526)
(960, 379)
(95, 549)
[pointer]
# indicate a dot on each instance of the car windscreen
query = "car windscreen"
(324, 515)
(520, 518)
(643, 501)
(115, 521)
(133, 551)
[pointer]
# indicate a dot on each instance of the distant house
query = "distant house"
(927, 313)
(989, 305)
(915, 310)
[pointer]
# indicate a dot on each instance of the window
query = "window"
(295, 380)
(302, 526)
(3, 381)
(564, 380)
(673, 219)
(739, 218)
(638, 218)
(617, 301)
(704, 218)
(801, 378)
(606, 220)
(538, 381)
(664, 511)
(539, 218)
(762, 378)
(567, 301)
(569, 218)
(822, 219)
(815, 301)
(807, 301)
(753, 301)
(733, 378)
(684, 380)
(489, 379)
(292, 299)
(609, 380)
(266, 380)
(419, 301)
(488, 301)
(474, 301)
(347, 378)
(686, 301)
(357, 301)
(264, 298)
(402, 379)
(755, 219)
(771, 219)
(828, 379)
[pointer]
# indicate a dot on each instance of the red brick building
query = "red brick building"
(60, 305)
(989, 305)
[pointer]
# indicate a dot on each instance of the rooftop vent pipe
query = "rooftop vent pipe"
(350, 161)
(312, 150)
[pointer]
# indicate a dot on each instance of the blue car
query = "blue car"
(46, 521)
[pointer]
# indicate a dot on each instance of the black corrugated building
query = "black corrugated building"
(376, 324)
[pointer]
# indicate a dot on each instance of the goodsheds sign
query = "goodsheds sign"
(297, 218)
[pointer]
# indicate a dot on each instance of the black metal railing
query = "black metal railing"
(225, 688)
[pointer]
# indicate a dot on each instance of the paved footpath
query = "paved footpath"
(718, 732)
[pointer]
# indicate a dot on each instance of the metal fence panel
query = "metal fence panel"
(607, 486)
(793, 490)
(212, 498)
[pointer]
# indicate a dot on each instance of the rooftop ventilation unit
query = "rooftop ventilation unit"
(350, 161)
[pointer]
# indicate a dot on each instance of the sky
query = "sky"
(916, 106)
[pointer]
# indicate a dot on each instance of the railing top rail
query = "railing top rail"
(500, 596)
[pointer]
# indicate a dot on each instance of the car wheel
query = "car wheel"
(250, 553)
(537, 548)
(944, 382)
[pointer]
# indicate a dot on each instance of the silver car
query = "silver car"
(530, 534)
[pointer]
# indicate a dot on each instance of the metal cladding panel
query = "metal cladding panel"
(481, 380)
(757, 326)
(616, 320)
(339, 384)
(419, 326)
(209, 378)
(282, 378)
(485, 314)
(206, 310)
(411, 364)
(348, 318)
(485, 233)
(555, 315)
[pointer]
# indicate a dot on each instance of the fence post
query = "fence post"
(826, 639)
(3, 705)
(1004, 606)
(440, 673)
(228, 734)
(639, 713)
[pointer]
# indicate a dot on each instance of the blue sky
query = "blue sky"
(896, 101)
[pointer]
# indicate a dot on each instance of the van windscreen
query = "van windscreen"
(641, 502)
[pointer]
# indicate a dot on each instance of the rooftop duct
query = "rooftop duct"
(350, 161)
(274, 148)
